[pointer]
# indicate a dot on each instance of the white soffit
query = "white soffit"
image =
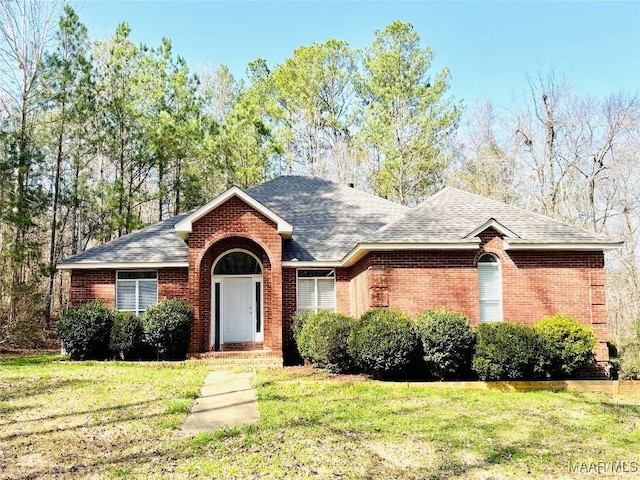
(561, 246)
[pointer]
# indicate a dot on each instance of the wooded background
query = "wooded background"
(100, 138)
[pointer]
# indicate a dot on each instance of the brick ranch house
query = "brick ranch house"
(248, 260)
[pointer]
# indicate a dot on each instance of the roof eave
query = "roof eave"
(119, 265)
(185, 226)
(312, 264)
(362, 249)
(577, 246)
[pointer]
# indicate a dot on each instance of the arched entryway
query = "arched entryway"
(237, 299)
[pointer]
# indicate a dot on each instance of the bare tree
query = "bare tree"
(26, 28)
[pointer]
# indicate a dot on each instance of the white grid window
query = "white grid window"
(135, 291)
(316, 290)
(490, 283)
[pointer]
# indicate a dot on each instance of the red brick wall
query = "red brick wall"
(343, 291)
(289, 306)
(359, 287)
(173, 283)
(87, 285)
(415, 281)
(535, 284)
(234, 224)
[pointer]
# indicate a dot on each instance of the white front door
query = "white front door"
(237, 309)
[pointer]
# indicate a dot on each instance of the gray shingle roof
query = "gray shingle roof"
(451, 214)
(158, 243)
(329, 220)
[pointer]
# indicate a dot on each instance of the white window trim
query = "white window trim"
(487, 266)
(335, 296)
(137, 310)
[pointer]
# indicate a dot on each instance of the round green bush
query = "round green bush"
(127, 335)
(324, 340)
(383, 342)
(448, 343)
(507, 351)
(166, 327)
(298, 321)
(84, 331)
(570, 344)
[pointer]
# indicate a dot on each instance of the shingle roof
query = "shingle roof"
(158, 243)
(451, 214)
(330, 219)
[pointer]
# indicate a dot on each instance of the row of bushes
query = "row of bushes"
(95, 331)
(441, 342)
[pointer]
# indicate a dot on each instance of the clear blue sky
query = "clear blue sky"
(488, 46)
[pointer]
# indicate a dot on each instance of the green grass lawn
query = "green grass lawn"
(61, 419)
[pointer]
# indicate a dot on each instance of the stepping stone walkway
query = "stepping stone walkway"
(227, 399)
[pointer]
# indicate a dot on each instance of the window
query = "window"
(237, 263)
(490, 288)
(135, 291)
(316, 290)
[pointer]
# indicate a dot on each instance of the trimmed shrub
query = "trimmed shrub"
(448, 343)
(298, 321)
(166, 328)
(84, 331)
(127, 335)
(383, 342)
(570, 344)
(506, 351)
(324, 340)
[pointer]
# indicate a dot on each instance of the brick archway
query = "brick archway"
(207, 260)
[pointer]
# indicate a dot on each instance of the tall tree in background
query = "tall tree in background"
(125, 94)
(407, 122)
(177, 130)
(314, 94)
(574, 158)
(245, 144)
(26, 27)
(487, 166)
(68, 96)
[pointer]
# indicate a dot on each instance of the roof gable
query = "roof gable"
(491, 223)
(185, 226)
(453, 215)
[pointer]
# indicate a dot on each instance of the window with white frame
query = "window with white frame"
(316, 290)
(135, 291)
(490, 286)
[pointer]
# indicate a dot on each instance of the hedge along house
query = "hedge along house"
(248, 260)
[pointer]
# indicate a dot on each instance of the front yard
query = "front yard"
(122, 420)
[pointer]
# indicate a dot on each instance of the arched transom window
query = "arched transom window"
(237, 263)
(490, 284)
